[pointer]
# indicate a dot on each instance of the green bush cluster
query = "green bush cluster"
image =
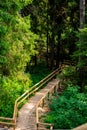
(38, 73)
(68, 76)
(17, 45)
(68, 110)
(10, 89)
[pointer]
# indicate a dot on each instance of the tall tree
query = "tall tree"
(17, 45)
(16, 49)
(82, 23)
(55, 21)
(82, 14)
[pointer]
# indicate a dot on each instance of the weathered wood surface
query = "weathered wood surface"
(27, 115)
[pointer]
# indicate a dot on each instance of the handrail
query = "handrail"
(24, 96)
(7, 121)
(19, 100)
(38, 123)
(31, 91)
(38, 104)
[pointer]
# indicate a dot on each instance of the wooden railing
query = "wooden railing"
(27, 94)
(7, 121)
(42, 100)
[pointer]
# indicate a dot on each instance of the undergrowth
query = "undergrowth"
(12, 87)
(68, 110)
(38, 73)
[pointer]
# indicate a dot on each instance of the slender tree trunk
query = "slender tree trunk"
(47, 49)
(82, 13)
(47, 37)
(52, 42)
(58, 50)
(52, 37)
(82, 23)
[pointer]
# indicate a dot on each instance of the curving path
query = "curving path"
(26, 119)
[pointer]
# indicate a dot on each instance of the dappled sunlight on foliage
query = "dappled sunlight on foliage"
(17, 45)
(10, 90)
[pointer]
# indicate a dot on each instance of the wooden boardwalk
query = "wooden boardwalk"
(27, 115)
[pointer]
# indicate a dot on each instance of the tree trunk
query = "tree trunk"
(52, 41)
(58, 50)
(52, 36)
(47, 36)
(82, 13)
(82, 22)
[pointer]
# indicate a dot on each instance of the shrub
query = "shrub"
(68, 110)
(10, 89)
(68, 76)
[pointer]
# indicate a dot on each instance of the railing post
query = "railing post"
(51, 127)
(37, 126)
(14, 123)
(48, 95)
(55, 89)
(59, 85)
(14, 127)
(43, 103)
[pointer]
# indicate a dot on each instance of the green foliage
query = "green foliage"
(68, 110)
(51, 21)
(68, 76)
(17, 42)
(17, 45)
(81, 48)
(38, 73)
(13, 86)
(22, 45)
(10, 90)
(85, 88)
(81, 56)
